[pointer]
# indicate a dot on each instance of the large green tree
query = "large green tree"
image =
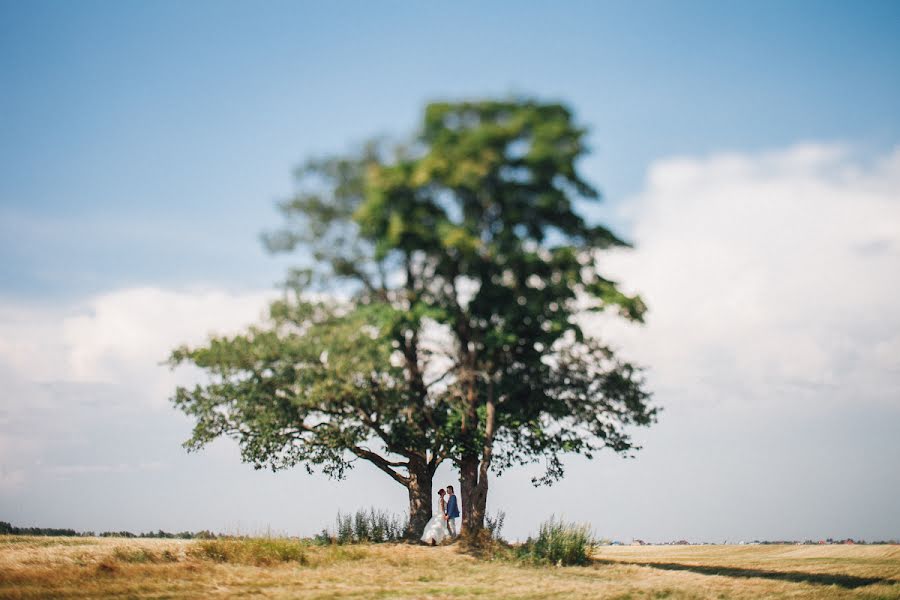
(464, 266)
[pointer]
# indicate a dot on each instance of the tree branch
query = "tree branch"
(452, 369)
(382, 463)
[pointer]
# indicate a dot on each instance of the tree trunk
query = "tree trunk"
(420, 500)
(473, 493)
(473, 470)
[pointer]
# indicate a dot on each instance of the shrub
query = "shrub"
(380, 526)
(344, 529)
(361, 527)
(558, 543)
(372, 526)
(323, 538)
(495, 524)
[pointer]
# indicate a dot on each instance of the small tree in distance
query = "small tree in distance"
(464, 266)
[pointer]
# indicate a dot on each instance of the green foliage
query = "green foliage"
(494, 524)
(8, 529)
(317, 383)
(365, 527)
(323, 538)
(558, 543)
(344, 529)
(487, 198)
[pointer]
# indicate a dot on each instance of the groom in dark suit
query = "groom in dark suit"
(452, 511)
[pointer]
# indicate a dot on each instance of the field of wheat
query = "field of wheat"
(43, 567)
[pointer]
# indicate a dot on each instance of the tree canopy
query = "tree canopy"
(451, 274)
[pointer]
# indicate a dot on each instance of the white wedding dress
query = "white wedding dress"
(436, 528)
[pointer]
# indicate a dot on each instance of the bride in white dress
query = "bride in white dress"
(436, 529)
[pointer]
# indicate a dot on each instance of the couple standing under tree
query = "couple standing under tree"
(442, 525)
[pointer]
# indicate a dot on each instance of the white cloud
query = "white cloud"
(768, 276)
(121, 337)
(30, 340)
(71, 374)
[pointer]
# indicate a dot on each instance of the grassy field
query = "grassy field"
(39, 567)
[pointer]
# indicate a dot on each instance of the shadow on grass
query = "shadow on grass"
(845, 581)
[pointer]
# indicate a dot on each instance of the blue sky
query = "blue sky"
(749, 149)
(148, 141)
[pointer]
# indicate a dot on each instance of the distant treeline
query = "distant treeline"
(7, 529)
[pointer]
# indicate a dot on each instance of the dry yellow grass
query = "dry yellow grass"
(128, 568)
